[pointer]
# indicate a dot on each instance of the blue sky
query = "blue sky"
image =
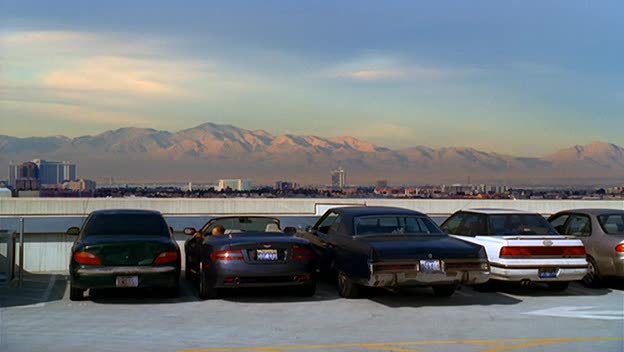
(520, 77)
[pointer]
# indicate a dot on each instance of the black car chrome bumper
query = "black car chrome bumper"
(408, 273)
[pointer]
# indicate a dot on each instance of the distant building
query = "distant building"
(55, 172)
(81, 185)
(285, 186)
(234, 184)
(338, 178)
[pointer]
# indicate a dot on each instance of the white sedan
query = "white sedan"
(521, 246)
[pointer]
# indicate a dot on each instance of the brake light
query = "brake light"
(87, 258)
(301, 253)
(166, 257)
(539, 251)
(227, 255)
(514, 252)
(619, 248)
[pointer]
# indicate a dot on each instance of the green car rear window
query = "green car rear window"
(126, 224)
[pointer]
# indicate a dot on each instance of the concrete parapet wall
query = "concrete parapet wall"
(276, 206)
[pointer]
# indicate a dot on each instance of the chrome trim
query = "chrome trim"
(125, 270)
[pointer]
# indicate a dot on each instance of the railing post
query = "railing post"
(20, 280)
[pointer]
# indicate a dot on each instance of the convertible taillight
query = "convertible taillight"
(166, 257)
(301, 253)
(227, 255)
(619, 248)
(87, 258)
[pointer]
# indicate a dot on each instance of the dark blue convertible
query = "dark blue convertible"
(393, 247)
(253, 252)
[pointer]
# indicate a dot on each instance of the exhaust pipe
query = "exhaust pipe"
(237, 280)
(525, 282)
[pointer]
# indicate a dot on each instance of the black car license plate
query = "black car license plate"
(430, 266)
(266, 254)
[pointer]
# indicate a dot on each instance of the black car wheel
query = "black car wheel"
(307, 290)
(444, 290)
(558, 286)
(346, 287)
(206, 290)
(76, 294)
(592, 279)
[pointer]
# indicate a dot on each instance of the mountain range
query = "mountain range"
(211, 151)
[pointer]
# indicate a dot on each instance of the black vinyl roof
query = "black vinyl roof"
(377, 210)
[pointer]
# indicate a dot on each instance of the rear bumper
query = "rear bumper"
(105, 277)
(241, 274)
(511, 273)
(406, 278)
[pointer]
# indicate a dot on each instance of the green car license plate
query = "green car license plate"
(127, 281)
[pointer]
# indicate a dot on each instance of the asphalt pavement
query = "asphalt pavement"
(40, 317)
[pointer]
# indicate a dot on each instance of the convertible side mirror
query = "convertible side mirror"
(189, 231)
(73, 231)
(290, 230)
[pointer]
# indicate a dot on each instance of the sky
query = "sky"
(517, 77)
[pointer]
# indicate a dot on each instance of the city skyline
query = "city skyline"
(519, 78)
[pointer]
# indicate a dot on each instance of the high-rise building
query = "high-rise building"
(55, 172)
(234, 184)
(339, 178)
(27, 173)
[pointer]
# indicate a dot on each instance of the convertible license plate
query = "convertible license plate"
(127, 281)
(430, 266)
(547, 273)
(266, 254)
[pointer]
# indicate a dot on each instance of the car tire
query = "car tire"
(188, 274)
(558, 286)
(346, 287)
(592, 279)
(75, 293)
(206, 290)
(307, 290)
(444, 290)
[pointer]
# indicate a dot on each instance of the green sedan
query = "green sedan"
(124, 248)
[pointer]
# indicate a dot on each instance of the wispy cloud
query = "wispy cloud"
(121, 74)
(378, 68)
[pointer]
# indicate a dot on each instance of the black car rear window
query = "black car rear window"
(395, 224)
(520, 225)
(612, 223)
(126, 224)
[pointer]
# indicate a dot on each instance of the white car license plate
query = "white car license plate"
(267, 254)
(127, 281)
(547, 273)
(430, 266)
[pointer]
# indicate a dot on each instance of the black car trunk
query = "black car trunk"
(386, 247)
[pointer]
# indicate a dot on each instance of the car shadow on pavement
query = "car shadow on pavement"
(142, 295)
(324, 292)
(542, 290)
(36, 289)
(420, 297)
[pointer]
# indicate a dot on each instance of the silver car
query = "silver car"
(602, 232)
